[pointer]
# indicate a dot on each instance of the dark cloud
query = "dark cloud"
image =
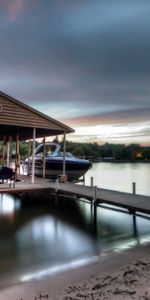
(80, 57)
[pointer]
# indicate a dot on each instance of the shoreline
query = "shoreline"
(78, 283)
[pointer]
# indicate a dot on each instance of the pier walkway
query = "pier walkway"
(133, 203)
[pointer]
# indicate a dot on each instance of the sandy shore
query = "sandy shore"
(115, 276)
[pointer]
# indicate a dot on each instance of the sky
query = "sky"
(84, 63)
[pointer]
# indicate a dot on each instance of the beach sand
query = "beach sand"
(114, 276)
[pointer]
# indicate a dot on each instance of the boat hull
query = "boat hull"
(54, 168)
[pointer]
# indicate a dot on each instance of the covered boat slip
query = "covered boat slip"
(19, 122)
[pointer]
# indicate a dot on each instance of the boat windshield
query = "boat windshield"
(50, 149)
(68, 154)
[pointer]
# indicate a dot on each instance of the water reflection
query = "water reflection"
(8, 205)
(35, 234)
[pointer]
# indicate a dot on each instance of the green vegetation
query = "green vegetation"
(117, 152)
(94, 151)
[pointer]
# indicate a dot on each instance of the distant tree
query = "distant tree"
(106, 150)
(131, 151)
(119, 152)
(87, 149)
(79, 151)
(95, 148)
(146, 153)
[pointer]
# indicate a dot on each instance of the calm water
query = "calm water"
(36, 237)
(119, 176)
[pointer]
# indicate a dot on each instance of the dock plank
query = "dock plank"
(128, 201)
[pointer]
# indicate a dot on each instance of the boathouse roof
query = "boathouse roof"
(17, 118)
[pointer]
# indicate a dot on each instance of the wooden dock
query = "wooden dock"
(97, 196)
(131, 202)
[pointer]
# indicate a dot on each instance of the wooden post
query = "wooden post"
(56, 191)
(3, 151)
(94, 193)
(18, 153)
(29, 154)
(8, 153)
(91, 181)
(33, 156)
(95, 207)
(44, 154)
(95, 217)
(84, 179)
(135, 226)
(17, 161)
(64, 155)
(134, 188)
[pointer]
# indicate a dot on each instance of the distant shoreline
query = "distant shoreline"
(120, 161)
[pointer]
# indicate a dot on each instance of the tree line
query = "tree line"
(94, 151)
(108, 151)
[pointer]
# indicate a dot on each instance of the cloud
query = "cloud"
(14, 6)
(117, 118)
(124, 133)
(17, 6)
(86, 62)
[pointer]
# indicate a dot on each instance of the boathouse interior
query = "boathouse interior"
(20, 122)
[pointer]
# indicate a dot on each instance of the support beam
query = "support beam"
(33, 156)
(44, 154)
(29, 154)
(64, 155)
(17, 160)
(3, 151)
(8, 153)
(18, 152)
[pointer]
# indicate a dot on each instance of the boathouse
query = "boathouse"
(20, 122)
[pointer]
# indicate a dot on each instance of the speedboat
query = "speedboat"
(55, 160)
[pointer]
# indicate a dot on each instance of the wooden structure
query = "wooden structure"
(133, 203)
(19, 121)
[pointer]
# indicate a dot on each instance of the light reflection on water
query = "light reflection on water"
(35, 235)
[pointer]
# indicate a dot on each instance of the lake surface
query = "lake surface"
(120, 176)
(39, 238)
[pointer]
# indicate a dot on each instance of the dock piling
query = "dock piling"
(134, 188)
(91, 181)
(95, 207)
(94, 193)
(95, 217)
(56, 185)
(56, 190)
(84, 180)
